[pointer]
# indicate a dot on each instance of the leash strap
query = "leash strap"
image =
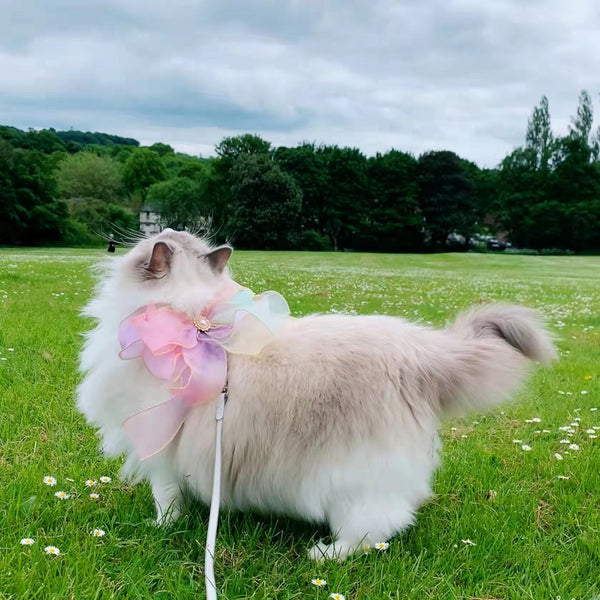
(213, 519)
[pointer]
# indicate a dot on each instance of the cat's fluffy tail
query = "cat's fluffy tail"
(488, 351)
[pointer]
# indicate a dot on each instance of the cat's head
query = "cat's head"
(173, 267)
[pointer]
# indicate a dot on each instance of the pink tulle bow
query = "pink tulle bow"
(173, 349)
(194, 359)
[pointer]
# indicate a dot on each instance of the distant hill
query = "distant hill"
(102, 139)
(50, 140)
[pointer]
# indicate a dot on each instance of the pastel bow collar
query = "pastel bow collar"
(192, 354)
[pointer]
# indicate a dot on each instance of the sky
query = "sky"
(414, 75)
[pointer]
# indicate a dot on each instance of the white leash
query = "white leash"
(213, 519)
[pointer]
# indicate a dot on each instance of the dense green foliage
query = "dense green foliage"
(68, 185)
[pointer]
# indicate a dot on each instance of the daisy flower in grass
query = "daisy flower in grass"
(381, 546)
(94, 496)
(337, 596)
(574, 447)
(318, 582)
(62, 495)
(558, 456)
(98, 532)
(105, 479)
(563, 477)
(90, 483)
(27, 542)
(526, 447)
(468, 542)
(52, 550)
(49, 480)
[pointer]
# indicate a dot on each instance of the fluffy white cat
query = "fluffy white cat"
(335, 421)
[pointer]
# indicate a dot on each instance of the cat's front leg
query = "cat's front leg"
(168, 498)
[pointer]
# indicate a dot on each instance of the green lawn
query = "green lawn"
(536, 535)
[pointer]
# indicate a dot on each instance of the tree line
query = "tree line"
(69, 186)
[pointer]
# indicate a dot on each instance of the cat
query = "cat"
(334, 421)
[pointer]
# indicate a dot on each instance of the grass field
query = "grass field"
(534, 519)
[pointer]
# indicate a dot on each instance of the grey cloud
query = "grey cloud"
(455, 74)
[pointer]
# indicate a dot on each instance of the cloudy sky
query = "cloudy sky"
(413, 75)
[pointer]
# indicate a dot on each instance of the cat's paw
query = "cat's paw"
(339, 551)
(168, 517)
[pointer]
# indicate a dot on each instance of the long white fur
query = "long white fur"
(334, 421)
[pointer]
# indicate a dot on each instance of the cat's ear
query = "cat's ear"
(217, 259)
(160, 261)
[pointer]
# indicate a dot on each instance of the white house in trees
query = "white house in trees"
(149, 220)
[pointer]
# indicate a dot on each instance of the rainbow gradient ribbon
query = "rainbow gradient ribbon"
(192, 354)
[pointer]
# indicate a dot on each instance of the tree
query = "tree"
(230, 148)
(162, 149)
(30, 212)
(581, 124)
(346, 199)
(576, 192)
(265, 203)
(143, 168)
(395, 221)
(219, 180)
(102, 218)
(309, 168)
(446, 196)
(179, 203)
(521, 187)
(85, 175)
(539, 136)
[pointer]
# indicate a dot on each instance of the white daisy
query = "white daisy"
(468, 542)
(98, 532)
(337, 596)
(593, 409)
(592, 436)
(90, 483)
(62, 495)
(94, 496)
(105, 479)
(381, 546)
(590, 431)
(526, 447)
(565, 441)
(584, 392)
(517, 441)
(49, 480)
(558, 456)
(318, 582)
(536, 420)
(574, 447)
(27, 542)
(52, 550)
